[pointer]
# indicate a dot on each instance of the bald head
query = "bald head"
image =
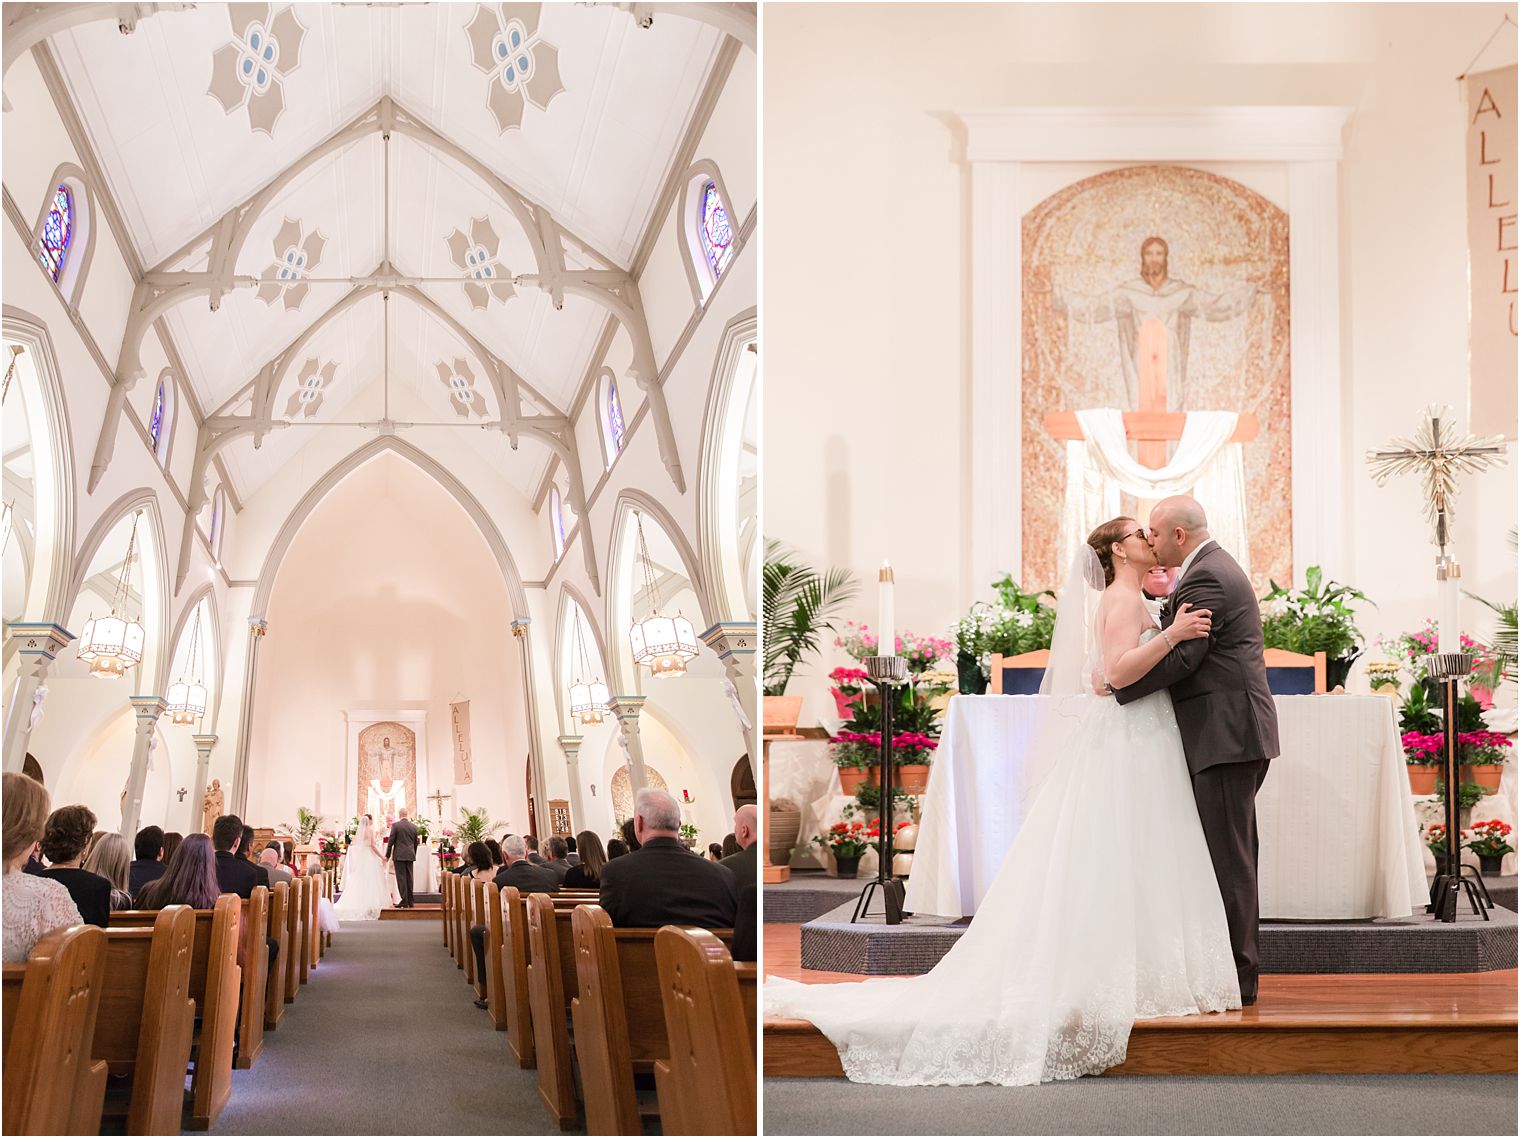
(1178, 526)
(746, 826)
(270, 857)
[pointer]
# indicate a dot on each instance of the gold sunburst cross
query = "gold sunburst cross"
(1439, 455)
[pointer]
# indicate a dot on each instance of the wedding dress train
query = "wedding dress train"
(1105, 911)
(364, 889)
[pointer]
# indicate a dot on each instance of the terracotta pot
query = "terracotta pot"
(913, 777)
(1422, 780)
(852, 778)
(1487, 776)
(781, 831)
(781, 713)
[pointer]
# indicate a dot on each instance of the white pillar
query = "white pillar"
(734, 641)
(147, 708)
(627, 708)
(571, 745)
(38, 645)
(203, 746)
(257, 629)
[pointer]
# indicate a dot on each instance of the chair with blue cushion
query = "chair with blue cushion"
(1295, 673)
(1019, 675)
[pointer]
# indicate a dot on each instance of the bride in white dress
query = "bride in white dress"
(364, 892)
(1106, 909)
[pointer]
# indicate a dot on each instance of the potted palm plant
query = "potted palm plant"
(474, 826)
(797, 604)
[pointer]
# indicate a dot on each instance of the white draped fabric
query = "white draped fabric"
(1339, 839)
(1099, 468)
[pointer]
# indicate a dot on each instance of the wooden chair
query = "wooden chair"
(516, 953)
(707, 1085)
(496, 999)
(51, 1086)
(253, 954)
(215, 986)
(290, 959)
(279, 928)
(145, 1028)
(479, 916)
(1295, 673)
(1018, 675)
(551, 985)
(618, 1017)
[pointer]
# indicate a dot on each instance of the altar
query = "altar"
(1338, 835)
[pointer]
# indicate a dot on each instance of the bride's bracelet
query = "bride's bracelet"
(1166, 634)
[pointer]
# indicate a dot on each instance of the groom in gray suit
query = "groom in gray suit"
(1224, 710)
(401, 847)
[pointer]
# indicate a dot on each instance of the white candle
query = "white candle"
(885, 614)
(1450, 635)
(317, 808)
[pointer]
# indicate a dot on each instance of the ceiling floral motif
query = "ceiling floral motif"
(523, 66)
(459, 380)
(296, 254)
(476, 255)
(251, 69)
(312, 383)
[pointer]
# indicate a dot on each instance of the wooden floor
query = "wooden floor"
(1404, 1024)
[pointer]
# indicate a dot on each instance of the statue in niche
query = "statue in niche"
(212, 806)
(387, 771)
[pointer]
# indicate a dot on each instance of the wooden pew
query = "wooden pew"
(146, 1024)
(461, 924)
(496, 980)
(253, 955)
(51, 1003)
(445, 901)
(314, 933)
(707, 1083)
(618, 1016)
(551, 983)
(215, 986)
(516, 952)
(302, 947)
(479, 916)
(290, 960)
(279, 928)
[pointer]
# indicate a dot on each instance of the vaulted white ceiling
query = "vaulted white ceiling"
(588, 132)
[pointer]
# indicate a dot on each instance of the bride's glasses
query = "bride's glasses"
(1142, 533)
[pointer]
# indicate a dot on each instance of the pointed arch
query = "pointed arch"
(718, 519)
(68, 277)
(162, 416)
(701, 273)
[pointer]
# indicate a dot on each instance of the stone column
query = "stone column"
(734, 641)
(257, 629)
(571, 745)
(520, 633)
(38, 645)
(627, 708)
(203, 745)
(148, 708)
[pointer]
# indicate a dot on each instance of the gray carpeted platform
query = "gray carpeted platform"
(1153, 1104)
(385, 1039)
(808, 893)
(1411, 944)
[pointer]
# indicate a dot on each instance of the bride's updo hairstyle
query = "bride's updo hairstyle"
(1102, 541)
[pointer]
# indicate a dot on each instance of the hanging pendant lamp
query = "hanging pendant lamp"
(112, 644)
(186, 701)
(588, 699)
(662, 643)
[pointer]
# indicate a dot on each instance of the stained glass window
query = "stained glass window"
(557, 520)
(715, 231)
(614, 418)
(57, 232)
(156, 420)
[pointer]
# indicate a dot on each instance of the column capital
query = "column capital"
(147, 707)
(204, 743)
(570, 744)
(627, 708)
(734, 639)
(258, 626)
(39, 638)
(520, 626)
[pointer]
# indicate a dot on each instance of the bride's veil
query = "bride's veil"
(366, 834)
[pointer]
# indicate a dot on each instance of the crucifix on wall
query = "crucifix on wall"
(438, 798)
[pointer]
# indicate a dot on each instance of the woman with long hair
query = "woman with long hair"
(189, 880)
(110, 858)
(33, 905)
(172, 839)
(587, 875)
(478, 856)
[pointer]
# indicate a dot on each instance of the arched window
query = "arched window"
(714, 230)
(161, 417)
(557, 521)
(615, 429)
(57, 233)
(156, 419)
(218, 510)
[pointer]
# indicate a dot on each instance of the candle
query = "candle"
(885, 615)
(1449, 577)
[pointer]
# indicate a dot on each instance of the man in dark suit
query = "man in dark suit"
(245, 851)
(522, 875)
(234, 874)
(745, 864)
(401, 848)
(662, 882)
(534, 856)
(148, 865)
(1224, 711)
(557, 862)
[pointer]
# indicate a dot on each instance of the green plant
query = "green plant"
(306, 827)
(424, 827)
(474, 826)
(797, 603)
(868, 797)
(1313, 619)
(1502, 648)
(1417, 713)
(1469, 794)
(688, 832)
(1018, 622)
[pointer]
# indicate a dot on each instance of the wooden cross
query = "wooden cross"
(1437, 453)
(438, 798)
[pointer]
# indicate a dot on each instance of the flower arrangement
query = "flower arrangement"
(857, 640)
(849, 685)
(448, 852)
(1017, 622)
(424, 827)
(1488, 839)
(1422, 750)
(844, 839)
(1383, 674)
(1411, 648)
(856, 750)
(923, 652)
(1316, 618)
(1484, 748)
(1435, 839)
(913, 747)
(329, 849)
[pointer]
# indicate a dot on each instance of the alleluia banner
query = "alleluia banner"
(1492, 277)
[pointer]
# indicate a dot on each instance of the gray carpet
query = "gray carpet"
(385, 1039)
(1219, 1104)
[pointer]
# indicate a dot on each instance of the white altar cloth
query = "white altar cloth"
(1338, 836)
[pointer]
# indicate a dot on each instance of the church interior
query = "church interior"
(381, 437)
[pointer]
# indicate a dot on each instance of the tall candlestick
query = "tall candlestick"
(1449, 577)
(886, 627)
(317, 795)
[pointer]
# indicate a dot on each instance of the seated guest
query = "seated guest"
(730, 845)
(616, 847)
(630, 837)
(744, 862)
(478, 857)
(743, 947)
(110, 858)
(715, 851)
(245, 851)
(525, 877)
(661, 883)
(64, 839)
(33, 905)
(234, 874)
(270, 860)
(151, 858)
(189, 878)
(533, 855)
(172, 840)
(574, 855)
(557, 850)
(588, 874)
(495, 847)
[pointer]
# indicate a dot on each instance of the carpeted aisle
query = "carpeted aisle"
(1153, 1104)
(385, 1039)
